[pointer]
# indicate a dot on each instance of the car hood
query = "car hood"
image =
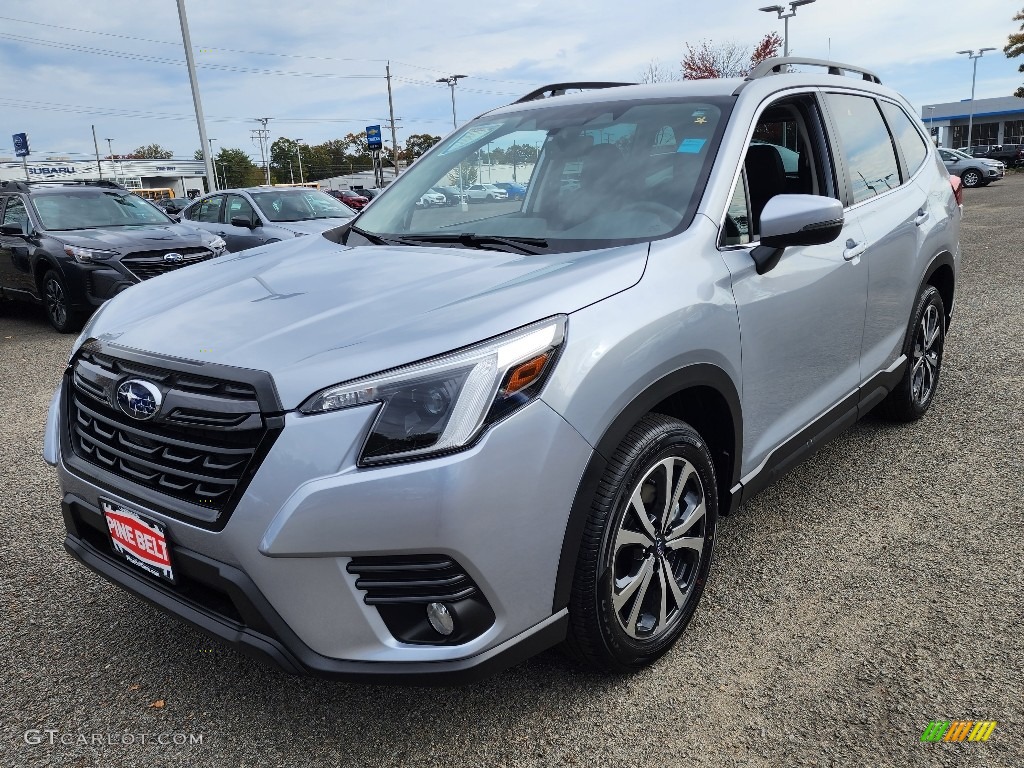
(313, 313)
(311, 226)
(149, 237)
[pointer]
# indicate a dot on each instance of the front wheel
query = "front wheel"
(58, 304)
(971, 178)
(646, 549)
(923, 347)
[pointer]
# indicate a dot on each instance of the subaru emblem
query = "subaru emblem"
(174, 258)
(139, 399)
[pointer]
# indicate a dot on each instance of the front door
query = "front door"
(15, 269)
(240, 238)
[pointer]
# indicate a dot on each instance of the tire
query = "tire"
(57, 304)
(489, 198)
(926, 338)
(622, 578)
(971, 177)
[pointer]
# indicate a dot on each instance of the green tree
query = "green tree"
(236, 169)
(416, 145)
(153, 152)
(198, 155)
(282, 152)
(1015, 47)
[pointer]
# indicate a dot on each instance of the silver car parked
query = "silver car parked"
(246, 218)
(436, 441)
(973, 171)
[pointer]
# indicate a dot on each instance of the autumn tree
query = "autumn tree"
(152, 152)
(656, 72)
(1015, 47)
(729, 59)
(416, 145)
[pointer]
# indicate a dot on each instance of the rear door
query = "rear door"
(890, 210)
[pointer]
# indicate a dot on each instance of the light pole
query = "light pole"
(110, 151)
(974, 56)
(298, 151)
(931, 124)
(450, 81)
(216, 181)
(786, 16)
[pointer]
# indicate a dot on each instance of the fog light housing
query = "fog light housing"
(440, 618)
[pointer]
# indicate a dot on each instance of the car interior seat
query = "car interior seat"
(766, 178)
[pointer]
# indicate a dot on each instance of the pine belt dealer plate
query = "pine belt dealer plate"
(141, 542)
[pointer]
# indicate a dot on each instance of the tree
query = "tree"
(1015, 47)
(728, 59)
(656, 72)
(416, 145)
(236, 169)
(152, 152)
(199, 155)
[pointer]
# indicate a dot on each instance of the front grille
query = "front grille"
(411, 579)
(149, 264)
(201, 447)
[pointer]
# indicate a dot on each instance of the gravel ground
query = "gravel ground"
(875, 588)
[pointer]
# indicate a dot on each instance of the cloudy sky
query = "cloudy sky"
(317, 68)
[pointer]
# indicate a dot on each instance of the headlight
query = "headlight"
(442, 404)
(218, 245)
(88, 255)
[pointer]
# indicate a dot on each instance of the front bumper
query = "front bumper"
(274, 580)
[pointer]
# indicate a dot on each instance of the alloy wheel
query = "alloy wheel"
(56, 302)
(658, 549)
(927, 355)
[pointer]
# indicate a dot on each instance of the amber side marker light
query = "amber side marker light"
(524, 374)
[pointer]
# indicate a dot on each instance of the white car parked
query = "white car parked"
(486, 192)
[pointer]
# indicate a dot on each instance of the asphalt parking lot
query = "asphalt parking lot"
(874, 589)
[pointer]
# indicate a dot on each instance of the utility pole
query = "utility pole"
(298, 151)
(96, 146)
(263, 134)
(291, 173)
(191, 63)
(391, 109)
(119, 164)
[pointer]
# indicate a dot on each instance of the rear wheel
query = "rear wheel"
(58, 304)
(923, 347)
(646, 549)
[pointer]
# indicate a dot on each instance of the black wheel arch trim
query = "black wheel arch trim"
(941, 259)
(687, 377)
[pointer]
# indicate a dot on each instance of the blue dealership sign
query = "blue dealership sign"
(373, 137)
(21, 148)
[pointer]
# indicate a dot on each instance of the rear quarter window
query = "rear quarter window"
(907, 136)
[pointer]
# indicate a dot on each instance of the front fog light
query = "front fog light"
(440, 618)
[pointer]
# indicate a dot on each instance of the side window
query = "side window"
(239, 206)
(15, 212)
(866, 145)
(785, 156)
(907, 136)
(208, 210)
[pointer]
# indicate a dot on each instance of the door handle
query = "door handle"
(922, 217)
(222, 233)
(853, 250)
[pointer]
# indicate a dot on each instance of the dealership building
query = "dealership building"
(996, 121)
(180, 176)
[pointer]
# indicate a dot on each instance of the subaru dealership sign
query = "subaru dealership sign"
(21, 148)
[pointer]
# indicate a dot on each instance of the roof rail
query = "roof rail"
(778, 65)
(24, 186)
(559, 89)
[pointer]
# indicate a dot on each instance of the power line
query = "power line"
(434, 70)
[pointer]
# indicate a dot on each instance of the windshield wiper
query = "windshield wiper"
(529, 245)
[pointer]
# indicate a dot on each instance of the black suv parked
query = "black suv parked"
(1012, 155)
(72, 246)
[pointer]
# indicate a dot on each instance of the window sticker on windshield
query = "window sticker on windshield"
(474, 134)
(691, 146)
(699, 117)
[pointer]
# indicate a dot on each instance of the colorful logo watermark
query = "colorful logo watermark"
(958, 730)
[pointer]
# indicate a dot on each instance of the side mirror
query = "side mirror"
(242, 221)
(23, 228)
(789, 220)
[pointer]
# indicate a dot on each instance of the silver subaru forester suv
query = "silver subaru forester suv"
(435, 441)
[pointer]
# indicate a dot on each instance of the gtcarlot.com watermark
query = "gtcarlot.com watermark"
(54, 736)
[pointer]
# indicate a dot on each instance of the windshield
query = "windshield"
(595, 175)
(300, 205)
(88, 209)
